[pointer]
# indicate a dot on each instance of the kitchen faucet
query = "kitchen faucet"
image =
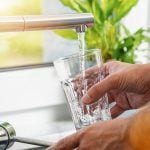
(76, 21)
(80, 22)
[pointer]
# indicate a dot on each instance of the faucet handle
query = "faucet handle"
(7, 134)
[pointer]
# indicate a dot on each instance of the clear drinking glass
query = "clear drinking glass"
(78, 73)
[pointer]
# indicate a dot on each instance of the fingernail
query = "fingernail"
(86, 99)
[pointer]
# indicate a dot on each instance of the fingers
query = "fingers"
(88, 72)
(116, 111)
(68, 143)
(99, 89)
(110, 98)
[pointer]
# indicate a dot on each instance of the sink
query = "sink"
(51, 138)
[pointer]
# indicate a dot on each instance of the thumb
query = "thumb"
(102, 87)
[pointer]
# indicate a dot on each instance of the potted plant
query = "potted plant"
(109, 33)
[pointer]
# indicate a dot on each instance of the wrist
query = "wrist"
(139, 129)
(126, 134)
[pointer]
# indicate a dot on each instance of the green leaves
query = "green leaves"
(125, 48)
(108, 6)
(108, 34)
(122, 9)
(97, 12)
(78, 5)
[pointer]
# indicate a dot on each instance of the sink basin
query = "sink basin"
(51, 138)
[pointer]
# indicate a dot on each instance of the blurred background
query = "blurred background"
(24, 48)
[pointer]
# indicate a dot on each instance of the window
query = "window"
(20, 48)
(32, 47)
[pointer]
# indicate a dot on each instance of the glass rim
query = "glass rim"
(88, 52)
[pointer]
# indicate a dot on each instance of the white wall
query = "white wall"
(33, 102)
(148, 14)
(27, 89)
(139, 16)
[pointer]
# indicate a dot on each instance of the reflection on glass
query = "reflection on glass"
(76, 81)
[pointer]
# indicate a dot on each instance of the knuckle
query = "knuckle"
(96, 88)
(82, 132)
(60, 145)
(115, 80)
(83, 146)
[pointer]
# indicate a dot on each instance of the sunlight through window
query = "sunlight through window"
(7, 4)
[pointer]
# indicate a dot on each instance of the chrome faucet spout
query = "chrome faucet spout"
(46, 22)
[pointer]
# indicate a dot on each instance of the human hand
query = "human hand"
(99, 136)
(126, 84)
